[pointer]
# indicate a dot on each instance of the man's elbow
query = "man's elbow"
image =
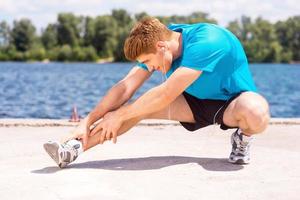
(121, 91)
(168, 96)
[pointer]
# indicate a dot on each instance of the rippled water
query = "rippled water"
(37, 90)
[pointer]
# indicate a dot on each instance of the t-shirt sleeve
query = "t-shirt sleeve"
(142, 65)
(204, 53)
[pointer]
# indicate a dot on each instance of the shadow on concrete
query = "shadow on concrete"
(148, 163)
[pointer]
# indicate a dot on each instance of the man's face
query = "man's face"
(160, 61)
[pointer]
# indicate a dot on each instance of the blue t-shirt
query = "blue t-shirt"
(219, 54)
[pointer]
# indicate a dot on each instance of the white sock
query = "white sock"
(76, 144)
(246, 138)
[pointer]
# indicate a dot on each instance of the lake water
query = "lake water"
(37, 90)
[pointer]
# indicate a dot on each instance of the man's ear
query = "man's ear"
(161, 46)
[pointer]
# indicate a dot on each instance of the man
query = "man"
(208, 83)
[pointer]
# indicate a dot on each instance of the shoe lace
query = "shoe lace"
(69, 148)
(242, 146)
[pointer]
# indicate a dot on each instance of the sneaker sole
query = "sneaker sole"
(238, 162)
(52, 150)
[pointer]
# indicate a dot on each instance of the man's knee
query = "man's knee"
(254, 109)
(258, 119)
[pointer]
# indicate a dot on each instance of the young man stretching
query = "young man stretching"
(208, 82)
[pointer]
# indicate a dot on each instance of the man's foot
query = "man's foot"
(62, 154)
(240, 153)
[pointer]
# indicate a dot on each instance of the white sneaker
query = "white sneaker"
(240, 153)
(62, 154)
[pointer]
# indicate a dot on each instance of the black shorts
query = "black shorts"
(206, 112)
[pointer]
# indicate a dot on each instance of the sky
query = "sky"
(42, 12)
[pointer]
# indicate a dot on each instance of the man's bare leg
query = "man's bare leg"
(95, 139)
(65, 153)
(249, 112)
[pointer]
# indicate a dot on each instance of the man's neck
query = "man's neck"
(176, 44)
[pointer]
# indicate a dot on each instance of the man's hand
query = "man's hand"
(109, 127)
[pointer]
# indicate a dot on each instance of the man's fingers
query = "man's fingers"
(88, 131)
(102, 137)
(108, 135)
(115, 140)
(94, 131)
(85, 140)
(115, 137)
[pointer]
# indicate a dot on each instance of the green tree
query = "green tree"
(195, 17)
(241, 28)
(78, 54)
(49, 36)
(52, 54)
(35, 54)
(65, 53)
(125, 23)
(122, 17)
(90, 53)
(105, 39)
(262, 43)
(89, 31)
(289, 37)
(79, 38)
(68, 29)
(118, 51)
(4, 56)
(4, 34)
(259, 39)
(235, 28)
(23, 34)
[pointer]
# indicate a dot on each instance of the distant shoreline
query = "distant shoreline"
(46, 61)
(21, 122)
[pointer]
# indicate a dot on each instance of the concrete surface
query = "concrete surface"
(158, 161)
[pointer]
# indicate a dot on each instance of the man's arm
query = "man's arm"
(160, 96)
(119, 94)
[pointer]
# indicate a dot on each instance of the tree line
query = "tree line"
(84, 38)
